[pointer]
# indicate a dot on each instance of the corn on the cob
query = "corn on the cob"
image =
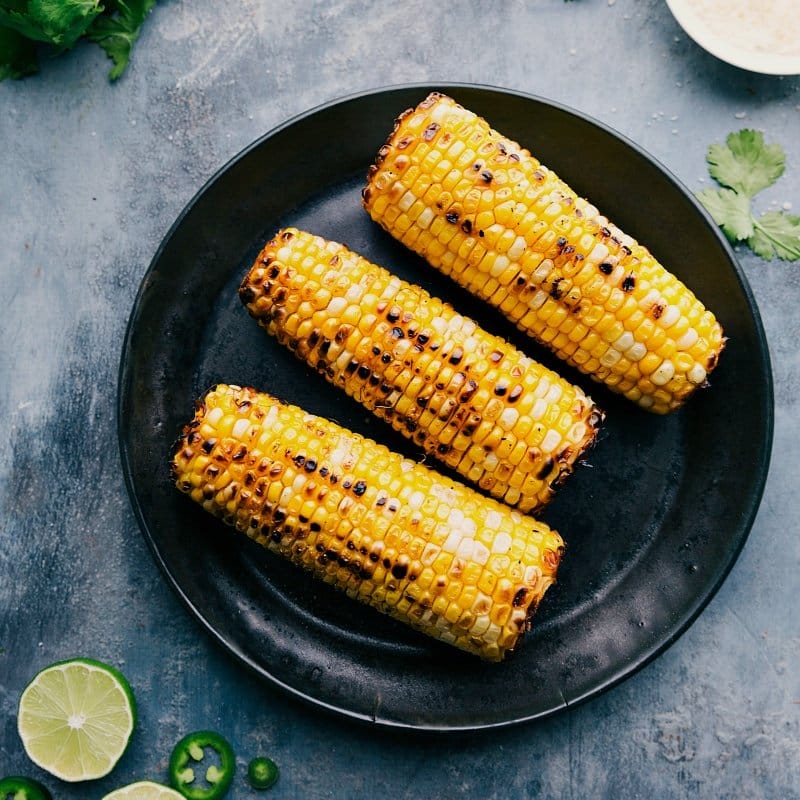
(486, 212)
(390, 532)
(467, 397)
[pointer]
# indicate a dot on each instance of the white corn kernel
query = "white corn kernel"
(214, 416)
(499, 266)
(480, 553)
(517, 248)
(429, 554)
(336, 306)
(610, 357)
(532, 573)
(425, 218)
(345, 357)
(688, 339)
(492, 520)
(577, 432)
(285, 496)
(616, 276)
(599, 252)
(636, 352)
(697, 374)
(649, 300)
(439, 112)
(543, 270)
(554, 393)
(501, 543)
(493, 634)
(456, 323)
(456, 518)
(470, 344)
(444, 494)
(406, 201)
(538, 300)
(669, 317)
(551, 441)
(416, 500)
(625, 341)
(664, 373)
(354, 294)
(509, 418)
(240, 427)
(453, 540)
(439, 325)
(539, 408)
(480, 626)
(465, 549)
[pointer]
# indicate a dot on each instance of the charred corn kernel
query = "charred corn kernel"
(433, 571)
(433, 374)
(548, 259)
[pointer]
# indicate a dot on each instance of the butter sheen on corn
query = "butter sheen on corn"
(485, 211)
(389, 532)
(467, 397)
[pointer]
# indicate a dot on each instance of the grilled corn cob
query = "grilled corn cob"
(388, 531)
(467, 397)
(486, 212)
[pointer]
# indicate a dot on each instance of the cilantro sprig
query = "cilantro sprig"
(117, 33)
(28, 27)
(744, 166)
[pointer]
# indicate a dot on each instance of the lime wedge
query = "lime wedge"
(76, 718)
(144, 790)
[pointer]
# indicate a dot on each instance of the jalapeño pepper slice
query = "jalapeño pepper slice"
(189, 755)
(16, 788)
(262, 772)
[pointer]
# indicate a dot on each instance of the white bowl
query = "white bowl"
(734, 48)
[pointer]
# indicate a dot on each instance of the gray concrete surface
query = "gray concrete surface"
(91, 177)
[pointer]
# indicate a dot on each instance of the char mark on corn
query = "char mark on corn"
(467, 397)
(486, 212)
(460, 567)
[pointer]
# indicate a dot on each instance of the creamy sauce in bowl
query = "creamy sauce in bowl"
(760, 35)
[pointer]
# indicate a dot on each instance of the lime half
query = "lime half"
(144, 790)
(76, 718)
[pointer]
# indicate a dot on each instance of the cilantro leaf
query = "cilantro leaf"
(776, 234)
(20, 22)
(57, 22)
(731, 211)
(116, 34)
(745, 163)
(64, 21)
(17, 55)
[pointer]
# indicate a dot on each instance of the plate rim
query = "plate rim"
(645, 657)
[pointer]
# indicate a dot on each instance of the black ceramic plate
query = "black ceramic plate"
(654, 523)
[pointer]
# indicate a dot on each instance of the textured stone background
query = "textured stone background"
(91, 177)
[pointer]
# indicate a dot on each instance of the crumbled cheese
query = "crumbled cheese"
(761, 26)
